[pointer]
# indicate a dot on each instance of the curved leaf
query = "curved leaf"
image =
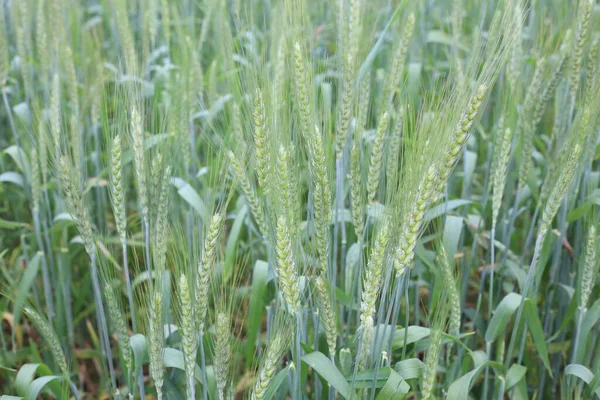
(409, 369)
(26, 375)
(589, 320)
(460, 388)
(324, 367)
(63, 217)
(259, 286)
(140, 350)
(276, 383)
(443, 208)
(502, 315)
(12, 177)
(232, 241)
(395, 388)
(191, 196)
(582, 373)
(514, 375)
(413, 333)
(38, 385)
(19, 157)
(537, 332)
(25, 283)
(366, 65)
(371, 379)
(173, 358)
(10, 225)
(439, 37)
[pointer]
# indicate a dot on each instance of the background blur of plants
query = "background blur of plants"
(218, 199)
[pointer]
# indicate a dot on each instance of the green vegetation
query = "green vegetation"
(304, 199)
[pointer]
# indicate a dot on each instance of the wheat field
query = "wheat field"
(299, 199)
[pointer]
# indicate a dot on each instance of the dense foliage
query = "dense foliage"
(375, 199)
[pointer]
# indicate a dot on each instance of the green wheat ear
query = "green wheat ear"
(451, 283)
(206, 268)
(239, 173)
(45, 329)
(73, 195)
(499, 170)
(328, 314)
(590, 266)
(431, 362)
(139, 158)
(117, 193)
(371, 288)
(4, 52)
(356, 192)
(119, 323)
(222, 356)
(156, 340)
(585, 14)
(189, 337)
(261, 145)
(286, 267)
(321, 194)
(36, 181)
(55, 116)
(278, 344)
(377, 158)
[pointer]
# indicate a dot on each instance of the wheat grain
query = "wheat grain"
(302, 89)
(117, 193)
(189, 339)
(136, 130)
(257, 210)
(119, 323)
(45, 329)
(222, 352)
(156, 339)
(356, 192)
(371, 288)
(347, 99)
(431, 362)
(41, 41)
(55, 115)
(321, 194)
(286, 190)
(286, 267)
(36, 181)
(4, 51)
(580, 39)
(500, 169)
(525, 128)
(206, 268)
(263, 162)
(377, 152)
(328, 315)
(397, 67)
(74, 199)
(277, 346)
(590, 266)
